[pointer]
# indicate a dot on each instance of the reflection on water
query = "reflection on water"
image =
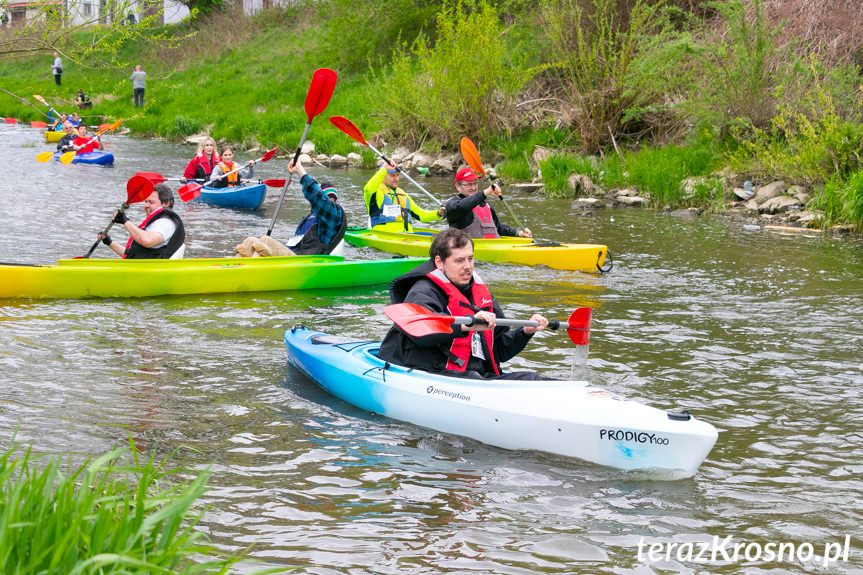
(759, 334)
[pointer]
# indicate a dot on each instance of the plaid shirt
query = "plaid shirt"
(328, 212)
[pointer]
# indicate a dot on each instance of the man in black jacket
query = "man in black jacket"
(65, 143)
(469, 210)
(447, 284)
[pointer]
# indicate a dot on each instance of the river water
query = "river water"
(758, 333)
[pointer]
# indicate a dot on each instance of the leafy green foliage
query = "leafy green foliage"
(113, 514)
(841, 199)
(602, 52)
(740, 67)
(557, 169)
(360, 33)
(463, 83)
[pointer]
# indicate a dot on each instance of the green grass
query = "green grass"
(112, 514)
(244, 81)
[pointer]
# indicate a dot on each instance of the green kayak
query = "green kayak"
(143, 278)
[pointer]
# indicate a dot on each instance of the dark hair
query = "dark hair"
(166, 195)
(446, 241)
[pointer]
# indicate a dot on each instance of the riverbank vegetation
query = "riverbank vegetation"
(633, 93)
(111, 514)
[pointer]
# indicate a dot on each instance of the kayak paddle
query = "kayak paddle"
(351, 130)
(193, 190)
(138, 189)
(417, 321)
(38, 124)
(471, 156)
(25, 102)
(157, 178)
(11, 120)
(320, 91)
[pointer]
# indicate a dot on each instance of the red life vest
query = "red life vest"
(233, 179)
(482, 225)
(461, 346)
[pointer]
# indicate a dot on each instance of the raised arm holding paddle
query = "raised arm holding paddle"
(320, 91)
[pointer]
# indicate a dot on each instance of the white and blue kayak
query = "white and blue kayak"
(570, 418)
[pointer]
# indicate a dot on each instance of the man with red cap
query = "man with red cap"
(470, 212)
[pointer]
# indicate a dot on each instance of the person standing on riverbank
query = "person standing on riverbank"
(57, 68)
(470, 212)
(389, 206)
(139, 83)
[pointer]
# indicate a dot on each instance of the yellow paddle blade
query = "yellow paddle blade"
(44, 156)
(67, 157)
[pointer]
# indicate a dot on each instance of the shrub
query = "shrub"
(464, 84)
(615, 64)
(358, 33)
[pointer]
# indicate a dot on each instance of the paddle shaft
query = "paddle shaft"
(104, 232)
(288, 183)
(506, 205)
(469, 320)
(23, 101)
(402, 172)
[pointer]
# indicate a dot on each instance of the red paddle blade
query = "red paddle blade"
(417, 321)
(274, 183)
(348, 128)
(579, 326)
(152, 176)
(11, 120)
(138, 189)
(320, 92)
(471, 156)
(269, 155)
(38, 124)
(189, 192)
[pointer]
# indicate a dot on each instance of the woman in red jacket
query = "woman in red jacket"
(203, 163)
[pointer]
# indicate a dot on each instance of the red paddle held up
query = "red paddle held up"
(138, 189)
(320, 91)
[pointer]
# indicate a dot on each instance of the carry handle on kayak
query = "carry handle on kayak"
(417, 321)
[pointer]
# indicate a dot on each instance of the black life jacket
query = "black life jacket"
(136, 251)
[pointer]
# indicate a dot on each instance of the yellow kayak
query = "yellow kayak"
(524, 251)
(143, 278)
(52, 136)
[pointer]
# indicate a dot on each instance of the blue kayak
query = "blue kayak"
(247, 196)
(570, 418)
(94, 157)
